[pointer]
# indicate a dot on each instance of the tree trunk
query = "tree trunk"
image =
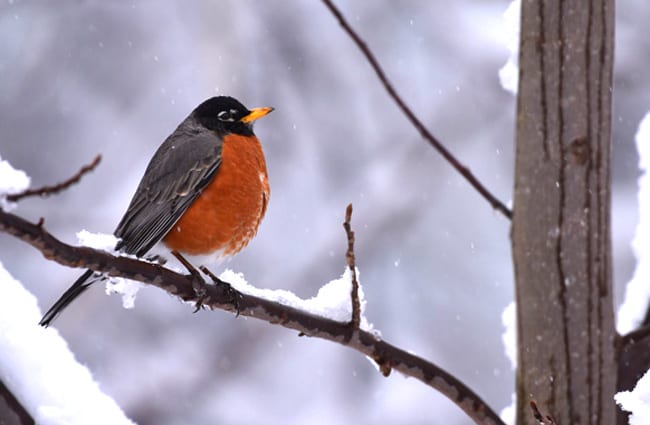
(561, 224)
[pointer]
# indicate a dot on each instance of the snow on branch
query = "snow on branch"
(387, 356)
(637, 402)
(56, 188)
(314, 317)
(12, 181)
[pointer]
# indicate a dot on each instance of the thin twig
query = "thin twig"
(220, 297)
(635, 336)
(543, 420)
(349, 256)
(633, 357)
(426, 134)
(50, 190)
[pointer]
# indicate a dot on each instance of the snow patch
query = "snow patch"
(507, 415)
(103, 241)
(509, 73)
(128, 289)
(637, 293)
(12, 181)
(509, 337)
(332, 301)
(637, 401)
(40, 370)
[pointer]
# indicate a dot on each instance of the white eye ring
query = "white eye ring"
(226, 115)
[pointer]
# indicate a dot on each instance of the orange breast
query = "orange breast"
(228, 212)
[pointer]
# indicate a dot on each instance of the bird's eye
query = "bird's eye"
(228, 116)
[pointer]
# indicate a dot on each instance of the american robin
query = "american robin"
(204, 192)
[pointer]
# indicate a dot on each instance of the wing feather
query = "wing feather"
(177, 174)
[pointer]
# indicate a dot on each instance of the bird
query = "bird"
(204, 192)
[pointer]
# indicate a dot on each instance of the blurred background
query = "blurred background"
(78, 78)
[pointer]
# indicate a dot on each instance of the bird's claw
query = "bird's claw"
(233, 295)
(198, 286)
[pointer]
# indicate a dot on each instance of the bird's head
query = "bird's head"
(225, 114)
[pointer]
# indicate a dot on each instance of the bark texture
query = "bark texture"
(561, 223)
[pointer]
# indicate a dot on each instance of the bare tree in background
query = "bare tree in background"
(561, 223)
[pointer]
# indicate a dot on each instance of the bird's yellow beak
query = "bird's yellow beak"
(255, 114)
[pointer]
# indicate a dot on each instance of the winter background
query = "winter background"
(78, 78)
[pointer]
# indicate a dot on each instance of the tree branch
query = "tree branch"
(220, 297)
(50, 190)
(543, 420)
(421, 128)
(355, 321)
(633, 357)
(12, 411)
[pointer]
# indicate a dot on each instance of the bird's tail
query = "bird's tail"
(68, 296)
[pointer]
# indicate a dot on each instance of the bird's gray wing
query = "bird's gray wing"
(176, 175)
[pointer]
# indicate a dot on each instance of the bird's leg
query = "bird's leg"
(198, 284)
(233, 294)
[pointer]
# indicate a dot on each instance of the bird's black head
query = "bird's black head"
(225, 114)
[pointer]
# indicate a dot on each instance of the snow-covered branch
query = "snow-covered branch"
(387, 356)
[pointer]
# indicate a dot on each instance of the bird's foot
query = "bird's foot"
(198, 285)
(233, 295)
